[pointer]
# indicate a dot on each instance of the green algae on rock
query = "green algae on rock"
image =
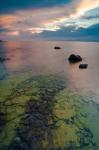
(15, 103)
(40, 113)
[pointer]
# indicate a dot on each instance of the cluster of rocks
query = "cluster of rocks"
(75, 59)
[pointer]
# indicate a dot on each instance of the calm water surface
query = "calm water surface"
(40, 58)
(45, 102)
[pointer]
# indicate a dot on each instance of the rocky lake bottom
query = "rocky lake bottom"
(41, 113)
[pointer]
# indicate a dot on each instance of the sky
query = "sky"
(49, 20)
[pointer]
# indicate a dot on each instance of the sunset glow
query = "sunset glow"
(48, 19)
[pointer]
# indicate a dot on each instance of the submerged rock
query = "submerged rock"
(74, 58)
(2, 119)
(83, 66)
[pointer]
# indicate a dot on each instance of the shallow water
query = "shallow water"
(45, 102)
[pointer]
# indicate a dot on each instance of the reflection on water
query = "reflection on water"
(41, 58)
(46, 103)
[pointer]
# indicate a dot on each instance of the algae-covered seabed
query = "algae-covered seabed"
(42, 113)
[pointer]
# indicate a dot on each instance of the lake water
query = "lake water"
(45, 102)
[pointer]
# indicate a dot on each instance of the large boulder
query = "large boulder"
(74, 58)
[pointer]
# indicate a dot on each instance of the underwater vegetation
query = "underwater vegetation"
(41, 113)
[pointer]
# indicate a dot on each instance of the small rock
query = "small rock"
(74, 58)
(83, 66)
(57, 47)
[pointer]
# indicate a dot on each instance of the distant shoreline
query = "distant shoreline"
(47, 40)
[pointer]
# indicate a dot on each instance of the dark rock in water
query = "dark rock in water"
(57, 47)
(83, 66)
(74, 58)
(2, 59)
(1, 41)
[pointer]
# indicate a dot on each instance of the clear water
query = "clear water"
(35, 68)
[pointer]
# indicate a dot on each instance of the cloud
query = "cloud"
(66, 33)
(47, 17)
(85, 5)
(7, 6)
(69, 33)
(92, 30)
(89, 17)
(3, 30)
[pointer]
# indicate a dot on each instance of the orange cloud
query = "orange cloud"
(83, 6)
(13, 33)
(7, 20)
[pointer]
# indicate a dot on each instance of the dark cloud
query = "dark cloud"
(7, 6)
(90, 17)
(91, 30)
(90, 33)
(3, 30)
(69, 33)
